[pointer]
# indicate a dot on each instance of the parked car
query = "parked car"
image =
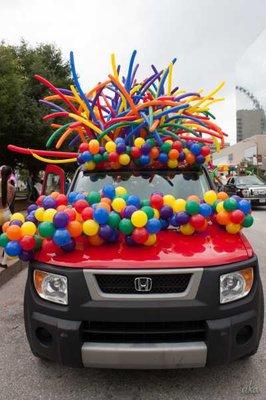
(250, 187)
(189, 301)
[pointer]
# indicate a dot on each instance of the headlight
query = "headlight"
(51, 287)
(245, 192)
(235, 285)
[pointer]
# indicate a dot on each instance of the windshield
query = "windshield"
(144, 183)
(248, 180)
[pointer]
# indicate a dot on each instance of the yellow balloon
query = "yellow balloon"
(233, 228)
(210, 197)
(187, 229)
(168, 200)
(220, 206)
(120, 190)
(110, 147)
(124, 159)
(28, 228)
(172, 163)
(156, 213)
(90, 227)
(118, 204)
(89, 166)
(17, 216)
(151, 240)
(139, 218)
(138, 142)
(39, 214)
(49, 214)
(179, 205)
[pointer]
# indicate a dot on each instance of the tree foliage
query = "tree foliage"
(21, 114)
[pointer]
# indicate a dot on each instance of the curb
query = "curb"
(8, 273)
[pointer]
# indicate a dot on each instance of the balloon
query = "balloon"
(61, 219)
(74, 228)
(187, 229)
(173, 154)
(93, 197)
(3, 240)
(151, 240)
(245, 206)
(71, 213)
(248, 221)
(101, 215)
(83, 147)
(126, 226)
(120, 190)
(128, 211)
(39, 214)
(26, 255)
(222, 196)
(28, 228)
(181, 218)
(135, 152)
(193, 197)
(31, 208)
(27, 243)
(5, 226)
(168, 200)
(16, 222)
(237, 216)
(118, 204)
(95, 240)
(17, 216)
(80, 205)
(46, 229)
(72, 197)
(233, 228)
(196, 149)
(157, 201)
(179, 205)
(69, 246)
(205, 151)
(220, 206)
(230, 204)
(48, 202)
(114, 219)
(62, 237)
(40, 200)
(48, 215)
(114, 236)
(145, 202)
(205, 210)
(148, 211)
(140, 235)
(105, 232)
(87, 213)
(124, 159)
(38, 242)
(110, 147)
(197, 221)
(94, 146)
(139, 219)
(223, 218)
(133, 200)
(164, 223)
(153, 225)
(210, 197)
(109, 191)
(61, 199)
(166, 212)
(13, 248)
(14, 232)
(192, 207)
(90, 227)
(138, 142)
(54, 195)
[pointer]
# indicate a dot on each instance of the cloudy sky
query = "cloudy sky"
(208, 37)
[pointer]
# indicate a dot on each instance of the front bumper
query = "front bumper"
(208, 333)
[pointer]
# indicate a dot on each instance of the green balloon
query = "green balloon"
(97, 158)
(3, 240)
(114, 219)
(192, 207)
(105, 156)
(93, 197)
(151, 142)
(149, 211)
(38, 242)
(123, 196)
(125, 226)
(145, 202)
(230, 204)
(248, 221)
(166, 147)
(46, 229)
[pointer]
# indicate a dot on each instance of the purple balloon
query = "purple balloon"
(114, 236)
(31, 208)
(181, 218)
(16, 222)
(129, 241)
(166, 212)
(173, 221)
(61, 219)
(121, 148)
(31, 218)
(26, 255)
(145, 148)
(49, 202)
(237, 198)
(69, 246)
(128, 211)
(105, 232)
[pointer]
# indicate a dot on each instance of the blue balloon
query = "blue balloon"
(101, 215)
(163, 158)
(182, 156)
(200, 159)
(182, 218)
(164, 223)
(119, 140)
(69, 246)
(86, 156)
(72, 197)
(13, 248)
(108, 191)
(133, 201)
(144, 160)
(195, 148)
(205, 210)
(245, 206)
(114, 236)
(62, 237)
(80, 196)
(153, 225)
(105, 232)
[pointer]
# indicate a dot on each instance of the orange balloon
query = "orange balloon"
(14, 232)
(54, 195)
(190, 158)
(223, 218)
(154, 153)
(79, 217)
(193, 197)
(173, 154)
(105, 205)
(74, 228)
(106, 200)
(5, 226)
(62, 207)
(222, 196)
(95, 240)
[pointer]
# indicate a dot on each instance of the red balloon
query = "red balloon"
(205, 151)
(135, 152)
(87, 213)
(197, 221)
(80, 205)
(61, 200)
(113, 157)
(237, 216)
(177, 145)
(71, 213)
(27, 243)
(140, 235)
(39, 200)
(156, 201)
(84, 147)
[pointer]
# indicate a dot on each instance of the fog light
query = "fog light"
(235, 285)
(51, 287)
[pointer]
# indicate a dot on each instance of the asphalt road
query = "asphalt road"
(22, 376)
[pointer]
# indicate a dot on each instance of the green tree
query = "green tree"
(21, 113)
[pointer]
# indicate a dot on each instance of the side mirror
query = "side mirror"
(54, 180)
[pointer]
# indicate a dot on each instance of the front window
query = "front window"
(248, 180)
(144, 183)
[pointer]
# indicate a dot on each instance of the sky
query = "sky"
(209, 38)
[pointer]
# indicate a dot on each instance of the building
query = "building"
(249, 123)
(252, 149)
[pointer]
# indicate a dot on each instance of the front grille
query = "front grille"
(143, 332)
(125, 284)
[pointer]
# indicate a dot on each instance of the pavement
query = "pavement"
(22, 376)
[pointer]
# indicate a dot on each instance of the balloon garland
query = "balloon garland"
(56, 222)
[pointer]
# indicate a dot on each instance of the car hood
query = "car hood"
(173, 250)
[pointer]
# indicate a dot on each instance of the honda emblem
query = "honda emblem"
(143, 284)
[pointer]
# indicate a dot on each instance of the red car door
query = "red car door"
(54, 180)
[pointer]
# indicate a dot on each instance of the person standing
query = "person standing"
(7, 192)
